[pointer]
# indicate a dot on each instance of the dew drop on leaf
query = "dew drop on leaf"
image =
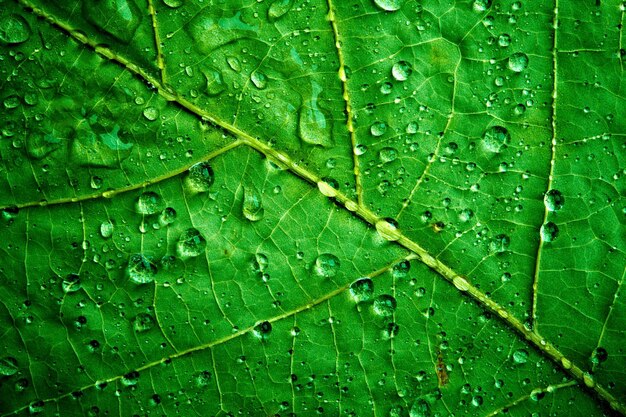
(495, 138)
(500, 243)
(130, 379)
(362, 290)
(106, 229)
(378, 128)
(140, 269)
(259, 80)
(412, 128)
(214, 82)
(118, 18)
(401, 70)
(191, 243)
(173, 3)
(36, 407)
(520, 356)
(13, 29)
(234, 63)
(518, 62)
(384, 305)
(143, 322)
(71, 283)
(202, 379)
(389, 5)
(313, 123)
(260, 262)
(200, 177)
(391, 330)
(481, 5)
(151, 113)
(388, 229)
(8, 366)
(401, 269)
(167, 216)
(262, 330)
(554, 200)
(549, 232)
(278, 9)
(326, 265)
(388, 154)
(599, 355)
(252, 206)
(420, 408)
(149, 203)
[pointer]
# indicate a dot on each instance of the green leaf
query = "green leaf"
(286, 207)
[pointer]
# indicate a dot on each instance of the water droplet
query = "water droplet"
(36, 407)
(214, 81)
(252, 206)
(500, 243)
(149, 203)
(106, 229)
(140, 269)
(260, 262)
(391, 330)
(234, 63)
(118, 18)
(420, 408)
(388, 154)
(8, 366)
(327, 189)
(504, 40)
(518, 62)
(313, 124)
(14, 29)
(262, 330)
(200, 177)
(389, 5)
(130, 379)
(202, 379)
(143, 322)
(481, 5)
(11, 102)
(401, 269)
(360, 149)
(495, 138)
(71, 283)
(362, 290)
(520, 356)
(259, 80)
(278, 9)
(599, 355)
(384, 305)
(326, 265)
(388, 229)
(401, 70)
(191, 243)
(466, 214)
(554, 200)
(378, 128)
(549, 232)
(167, 216)
(151, 113)
(386, 87)
(461, 283)
(173, 3)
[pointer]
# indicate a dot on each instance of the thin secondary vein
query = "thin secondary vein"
(555, 24)
(157, 42)
(346, 97)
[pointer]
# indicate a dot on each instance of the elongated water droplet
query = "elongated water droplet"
(140, 269)
(191, 243)
(259, 80)
(500, 243)
(252, 206)
(326, 265)
(314, 126)
(214, 81)
(71, 283)
(262, 330)
(520, 356)
(278, 9)
(118, 18)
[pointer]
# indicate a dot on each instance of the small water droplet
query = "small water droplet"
(252, 206)
(234, 63)
(149, 203)
(388, 154)
(518, 62)
(8, 366)
(401, 70)
(326, 265)
(461, 283)
(386, 87)
(401, 269)
(481, 5)
(71, 283)
(420, 408)
(554, 200)
(173, 3)
(262, 330)
(389, 5)
(500, 243)
(520, 356)
(143, 322)
(278, 9)
(191, 243)
(167, 216)
(200, 177)
(140, 269)
(362, 290)
(106, 229)
(130, 379)
(151, 113)
(384, 305)
(504, 40)
(378, 128)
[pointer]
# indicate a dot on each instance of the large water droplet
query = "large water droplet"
(173, 3)
(259, 80)
(384, 305)
(388, 154)
(143, 322)
(554, 200)
(262, 330)
(518, 62)
(314, 126)
(191, 243)
(362, 290)
(500, 243)
(495, 138)
(401, 70)
(419, 408)
(167, 216)
(151, 113)
(8, 366)
(389, 5)
(71, 283)
(106, 229)
(326, 265)
(149, 203)
(378, 128)
(140, 269)
(520, 356)
(481, 5)
(278, 9)
(549, 232)
(200, 177)
(14, 29)
(252, 206)
(118, 18)
(214, 81)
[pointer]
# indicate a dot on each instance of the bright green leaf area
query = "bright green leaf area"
(298, 208)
